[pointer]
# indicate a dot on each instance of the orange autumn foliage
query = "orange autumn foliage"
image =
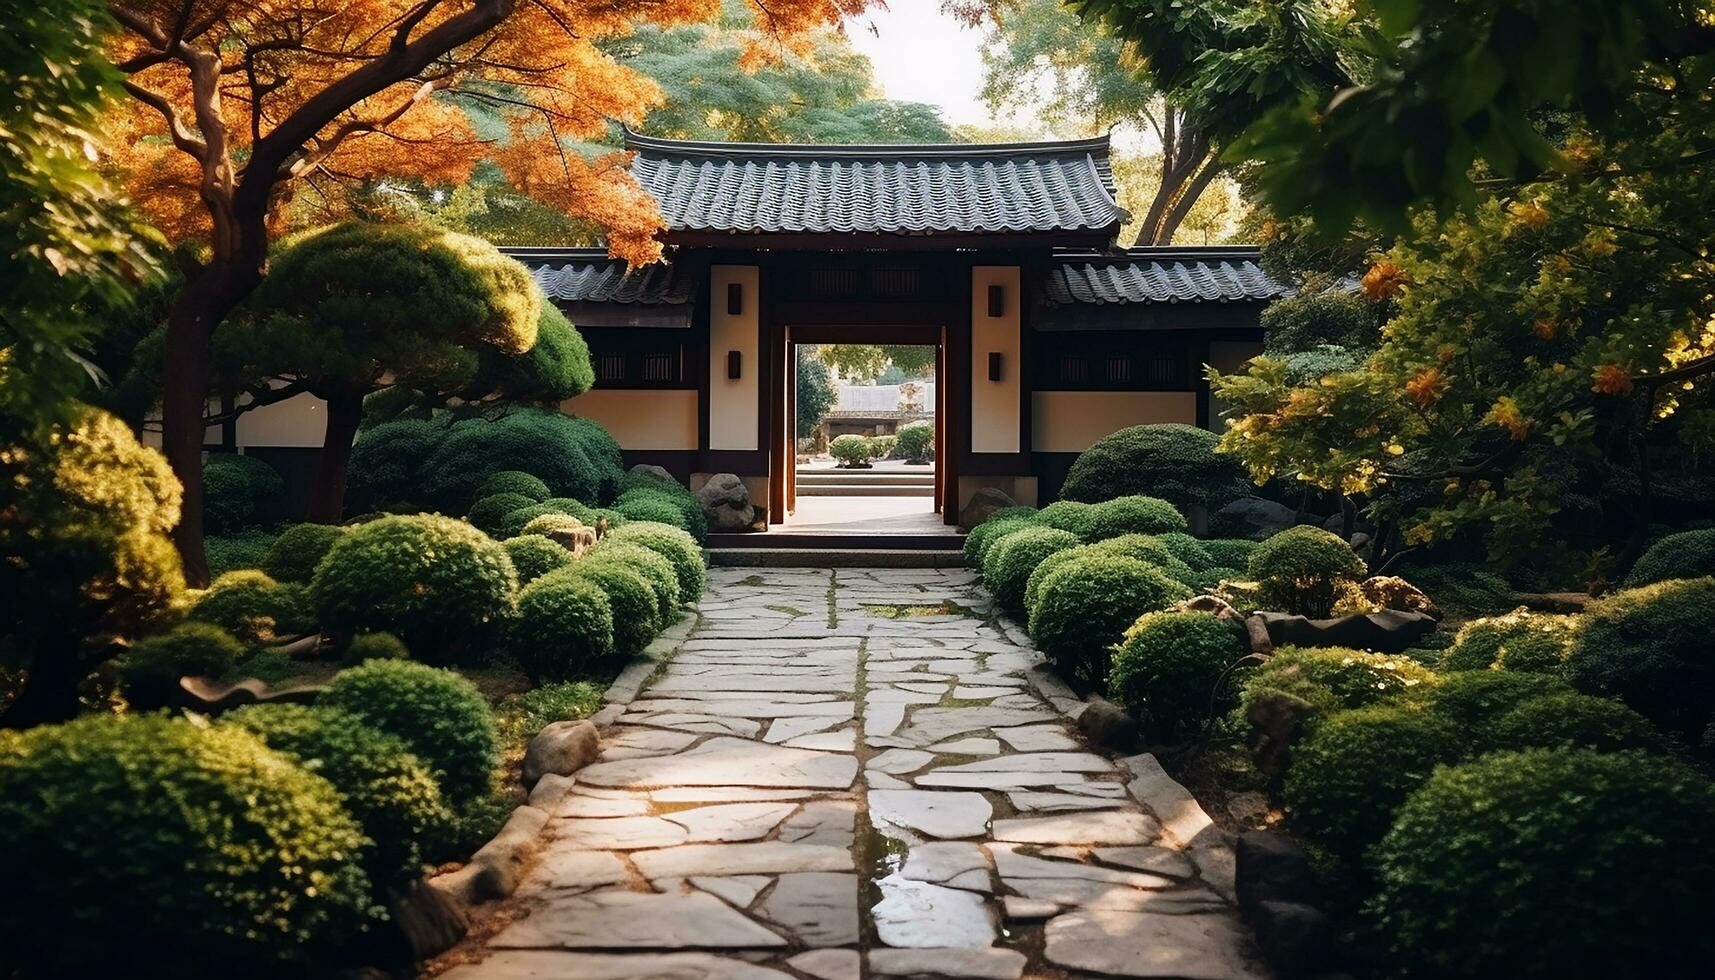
(214, 80)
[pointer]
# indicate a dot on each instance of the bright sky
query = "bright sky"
(922, 55)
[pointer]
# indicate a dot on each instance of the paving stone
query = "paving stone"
(921, 915)
(1021, 909)
(942, 861)
(729, 762)
(877, 779)
(634, 920)
(767, 857)
(1037, 738)
(631, 743)
(1050, 802)
(967, 746)
(899, 761)
(932, 813)
(824, 822)
(1087, 894)
(1101, 827)
(1013, 864)
(829, 964)
(786, 729)
(558, 965)
(985, 964)
(819, 908)
(1181, 817)
(1155, 860)
(723, 794)
(562, 867)
(731, 821)
(1142, 944)
(621, 833)
(579, 805)
(737, 890)
(844, 740)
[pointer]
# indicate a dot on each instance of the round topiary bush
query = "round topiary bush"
(673, 544)
(1688, 554)
(1355, 768)
(442, 717)
(1086, 606)
(1149, 549)
(916, 443)
(564, 628)
(1044, 568)
(1133, 515)
(169, 843)
(436, 582)
(1551, 864)
(512, 481)
(294, 555)
(1171, 671)
(652, 508)
(1174, 462)
(387, 464)
(546, 525)
(489, 513)
(1305, 570)
(365, 647)
(1010, 560)
(1520, 641)
(1187, 549)
(1475, 700)
(151, 669)
(565, 453)
(658, 571)
(534, 556)
(395, 800)
(1651, 648)
(228, 504)
(690, 511)
(630, 597)
(1068, 515)
(253, 607)
(1230, 552)
(1325, 679)
(1573, 721)
(851, 449)
(979, 539)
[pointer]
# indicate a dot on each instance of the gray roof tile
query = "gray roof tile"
(589, 276)
(1164, 275)
(954, 188)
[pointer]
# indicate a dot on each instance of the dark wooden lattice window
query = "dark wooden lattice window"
(660, 368)
(1118, 370)
(1112, 361)
(610, 367)
(1074, 369)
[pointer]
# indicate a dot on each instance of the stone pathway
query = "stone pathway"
(860, 772)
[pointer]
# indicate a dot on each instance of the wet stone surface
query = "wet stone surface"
(862, 772)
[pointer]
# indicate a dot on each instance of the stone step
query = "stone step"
(818, 477)
(866, 490)
(833, 558)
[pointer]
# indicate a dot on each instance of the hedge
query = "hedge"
(1147, 548)
(489, 514)
(1688, 554)
(1068, 515)
(441, 715)
(1651, 648)
(656, 570)
(979, 539)
(1518, 641)
(673, 544)
(513, 481)
(252, 607)
(1173, 461)
(1133, 515)
(1010, 560)
(151, 669)
(1086, 605)
(630, 596)
(1326, 679)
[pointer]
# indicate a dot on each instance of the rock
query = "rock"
(920, 915)
(991, 963)
(1252, 517)
(561, 748)
(654, 472)
(982, 504)
(1182, 819)
(1272, 868)
(576, 540)
(1114, 827)
(617, 919)
(820, 908)
(1294, 936)
(551, 791)
(1123, 943)
(1388, 631)
(1274, 719)
(934, 813)
(1106, 723)
(726, 761)
(726, 504)
(429, 920)
(829, 964)
(1249, 808)
(499, 864)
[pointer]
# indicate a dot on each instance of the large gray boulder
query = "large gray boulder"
(561, 748)
(726, 503)
(1252, 517)
(651, 470)
(982, 506)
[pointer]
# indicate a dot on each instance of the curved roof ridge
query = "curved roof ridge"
(720, 148)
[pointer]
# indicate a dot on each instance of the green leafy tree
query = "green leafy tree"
(814, 391)
(866, 362)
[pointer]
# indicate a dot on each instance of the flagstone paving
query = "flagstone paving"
(865, 772)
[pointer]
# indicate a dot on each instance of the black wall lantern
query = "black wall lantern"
(732, 364)
(734, 300)
(995, 358)
(997, 301)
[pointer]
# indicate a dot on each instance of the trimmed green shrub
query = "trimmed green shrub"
(658, 571)
(545, 443)
(979, 539)
(1149, 549)
(566, 505)
(1651, 648)
(437, 583)
(534, 556)
(629, 595)
(1133, 515)
(1210, 579)
(545, 525)
(233, 552)
(439, 714)
(1172, 461)
(1011, 559)
(512, 481)
(1086, 606)
(1573, 721)
(1044, 568)
(365, 647)
(294, 555)
(1304, 570)
(1170, 670)
(1546, 865)
(563, 629)
(647, 504)
(1069, 515)
(198, 851)
(653, 508)
(388, 462)
(1230, 552)
(851, 449)
(395, 800)
(916, 442)
(228, 505)
(1351, 773)
(1519, 641)
(1324, 679)
(600, 517)
(1016, 510)
(1475, 700)
(1187, 549)
(250, 605)
(152, 667)
(489, 513)
(673, 544)
(1688, 554)
(1462, 587)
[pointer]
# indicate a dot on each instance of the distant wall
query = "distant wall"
(1070, 421)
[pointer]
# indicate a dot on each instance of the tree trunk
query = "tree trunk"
(327, 497)
(50, 688)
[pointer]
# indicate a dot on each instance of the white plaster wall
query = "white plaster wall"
(995, 404)
(733, 421)
(1069, 421)
(665, 419)
(300, 421)
(1227, 357)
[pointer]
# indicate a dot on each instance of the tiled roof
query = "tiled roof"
(764, 188)
(587, 275)
(1163, 275)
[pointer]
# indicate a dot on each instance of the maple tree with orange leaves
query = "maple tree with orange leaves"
(235, 104)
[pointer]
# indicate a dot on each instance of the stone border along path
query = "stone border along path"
(827, 783)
